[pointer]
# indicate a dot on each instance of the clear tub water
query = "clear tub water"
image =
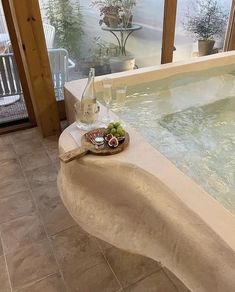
(190, 119)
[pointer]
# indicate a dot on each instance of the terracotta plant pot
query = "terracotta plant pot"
(111, 20)
(205, 47)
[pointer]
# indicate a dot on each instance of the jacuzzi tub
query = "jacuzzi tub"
(220, 221)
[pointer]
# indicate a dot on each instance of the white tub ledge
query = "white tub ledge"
(133, 210)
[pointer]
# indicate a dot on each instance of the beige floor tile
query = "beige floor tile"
(1, 248)
(28, 146)
(130, 268)
(9, 167)
(157, 282)
(98, 278)
(11, 178)
(83, 266)
(4, 281)
(51, 143)
(181, 287)
(7, 152)
(71, 246)
(33, 160)
(29, 134)
(42, 176)
(57, 163)
(5, 140)
(51, 146)
(27, 141)
(50, 284)
(54, 155)
(14, 206)
(55, 216)
(43, 194)
(30, 264)
(22, 231)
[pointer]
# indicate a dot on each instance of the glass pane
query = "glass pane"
(12, 104)
(78, 30)
(200, 19)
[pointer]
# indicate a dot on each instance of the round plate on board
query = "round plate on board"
(88, 147)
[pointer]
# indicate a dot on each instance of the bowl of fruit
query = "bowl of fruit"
(114, 134)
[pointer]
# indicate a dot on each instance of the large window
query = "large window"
(78, 29)
(93, 33)
(198, 19)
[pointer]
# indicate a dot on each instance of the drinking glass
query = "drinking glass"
(121, 99)
(121, 94)
(107, 96)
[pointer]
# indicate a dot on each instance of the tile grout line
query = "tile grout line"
(122, 288)
(5, 260)
(110, 267)
(169, 278)
(34, 282)
(144, 277)
(47, 152)
(45, 149)
(39, 214)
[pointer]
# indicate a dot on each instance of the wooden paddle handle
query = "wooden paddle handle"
(73, 154)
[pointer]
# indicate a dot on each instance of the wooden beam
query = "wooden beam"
(168, 38)
(14, 36)
(229, 43)
(27, 18)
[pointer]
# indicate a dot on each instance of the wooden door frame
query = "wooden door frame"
(168, 37)
(28, 41)
(14, 36)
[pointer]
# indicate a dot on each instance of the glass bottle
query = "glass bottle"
(87, 109)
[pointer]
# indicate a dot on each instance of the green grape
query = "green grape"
(122, 134)
(116, 125)
(113, 131)
(110, 126)
(117, 135)
(119, 130)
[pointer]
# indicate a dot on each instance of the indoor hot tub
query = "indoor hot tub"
(171, 195)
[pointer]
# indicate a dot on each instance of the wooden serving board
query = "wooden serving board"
(87, 147)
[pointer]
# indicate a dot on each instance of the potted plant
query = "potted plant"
(127, 12)
(122, 62)
(123, 9)
(97, 56)
(115, 12)
(109, 12)
(205, 20)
